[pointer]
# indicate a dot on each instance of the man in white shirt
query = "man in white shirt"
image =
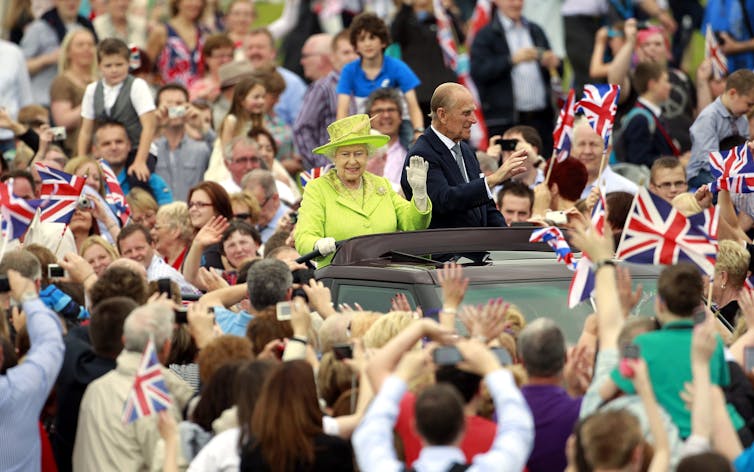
(439, 409)
(135, 243)
(241, 157)
(588, 147)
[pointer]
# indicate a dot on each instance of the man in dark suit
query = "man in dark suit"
(510, 64)
(461, 196)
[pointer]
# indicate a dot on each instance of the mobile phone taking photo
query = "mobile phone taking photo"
(283, 310)
(446, 355)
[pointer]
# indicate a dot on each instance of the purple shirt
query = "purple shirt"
(555, 414)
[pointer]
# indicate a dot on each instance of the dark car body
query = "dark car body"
(371, 270)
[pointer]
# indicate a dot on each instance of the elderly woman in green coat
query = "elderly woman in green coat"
(347, 201)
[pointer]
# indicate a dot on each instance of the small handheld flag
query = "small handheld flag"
(555, 239)
(599, 105)
(149, 394)
(717, 58)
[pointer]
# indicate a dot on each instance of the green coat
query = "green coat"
(327, 210)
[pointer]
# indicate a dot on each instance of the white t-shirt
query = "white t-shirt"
(141, 98)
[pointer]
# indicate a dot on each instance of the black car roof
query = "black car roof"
(512, 257)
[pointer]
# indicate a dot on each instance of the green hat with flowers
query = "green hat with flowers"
(354, 129)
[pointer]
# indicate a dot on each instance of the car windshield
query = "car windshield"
(549, 299)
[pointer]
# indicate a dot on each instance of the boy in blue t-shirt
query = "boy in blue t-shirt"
(120, 97)
(373, 70)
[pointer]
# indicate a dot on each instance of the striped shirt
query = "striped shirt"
(528, 87)
(317, 112)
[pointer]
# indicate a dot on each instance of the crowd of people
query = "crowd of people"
(239, 147)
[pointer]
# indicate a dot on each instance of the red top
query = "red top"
(477, 439)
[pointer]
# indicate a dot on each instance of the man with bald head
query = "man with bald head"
(320, 101)
(587, 147)
(315, 56)
(461, 194)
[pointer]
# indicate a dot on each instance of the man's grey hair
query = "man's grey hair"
(23, 262)
(242, 139)
(542, 348)
(260, 178)
(384, 93)
(268, 282)
(154, 318)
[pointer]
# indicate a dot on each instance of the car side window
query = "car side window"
(372, 297)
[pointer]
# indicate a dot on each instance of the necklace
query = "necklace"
(357, 194)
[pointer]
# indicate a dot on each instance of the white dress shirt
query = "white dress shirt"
(611, 182)
(514, 439)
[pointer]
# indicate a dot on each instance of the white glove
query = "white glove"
(325, 246)
(416, 174)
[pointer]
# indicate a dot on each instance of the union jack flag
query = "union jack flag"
(733, 170)
(479, 19)
(657, 233)
(555, 239)
(308, 175)
(114, 195)
(712, 51)
(582, 283)
(460, 64)
(149, 393)
(563, 134)
(17, 212)
(60, 193)
(599, 105)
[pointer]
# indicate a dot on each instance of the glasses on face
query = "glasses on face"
(267, 199)
(242, 216)
(379, 111)
(246, 160)
(669, 185)
(199, 205)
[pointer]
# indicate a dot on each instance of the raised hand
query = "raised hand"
(212, 232)
(453, 285)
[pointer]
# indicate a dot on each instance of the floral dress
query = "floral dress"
(177, 63)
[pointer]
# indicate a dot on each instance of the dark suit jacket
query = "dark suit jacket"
(455, 204)
(491, 68)
(641, 144)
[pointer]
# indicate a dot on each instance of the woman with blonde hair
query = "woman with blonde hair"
(143, 207)
(245, 207)
(98, 253)
(731, 269)
(386, 327)
(84, 166)
(77, 67)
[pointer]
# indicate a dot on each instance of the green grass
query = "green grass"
(267, 12)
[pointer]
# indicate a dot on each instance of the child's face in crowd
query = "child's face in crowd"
(369, 46)
(653, 49)
(114, 69)
(740, 104)
(91, 171)
(255, 100)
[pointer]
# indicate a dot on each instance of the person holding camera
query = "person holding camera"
(439, 412)
(181, 159)
(26, 386)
